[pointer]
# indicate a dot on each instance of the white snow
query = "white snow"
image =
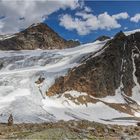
(137, 114)
(131, 32)
(117, 98)
(75, 93)
(6, 98)
(61, 107)
(4, 37)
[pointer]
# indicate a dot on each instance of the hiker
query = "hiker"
(10, 120)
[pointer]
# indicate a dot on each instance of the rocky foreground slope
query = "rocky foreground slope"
(71, 130)
(39, 36)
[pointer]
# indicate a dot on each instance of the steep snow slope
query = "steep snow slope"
(23, 95)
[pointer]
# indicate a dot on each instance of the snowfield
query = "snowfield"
(27, 101)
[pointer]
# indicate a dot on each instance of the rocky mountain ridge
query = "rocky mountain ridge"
(39, 36)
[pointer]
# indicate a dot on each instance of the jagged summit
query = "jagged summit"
(120, 36)
(38, 36)
(39, 27)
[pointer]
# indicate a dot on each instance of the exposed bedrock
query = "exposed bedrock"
(99, 76)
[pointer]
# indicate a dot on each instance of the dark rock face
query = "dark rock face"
(101, 75)
(39, 36)
(102, 38)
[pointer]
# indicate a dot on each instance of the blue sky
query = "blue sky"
(72, 19)
(98, 7)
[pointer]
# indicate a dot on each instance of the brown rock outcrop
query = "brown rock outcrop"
(40, 36)
(101, 75)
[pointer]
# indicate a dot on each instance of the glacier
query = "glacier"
(27, 101)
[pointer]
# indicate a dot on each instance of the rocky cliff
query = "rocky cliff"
(38, 36)
(117, 68)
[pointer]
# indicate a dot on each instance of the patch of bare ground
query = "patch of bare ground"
(69, 130)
